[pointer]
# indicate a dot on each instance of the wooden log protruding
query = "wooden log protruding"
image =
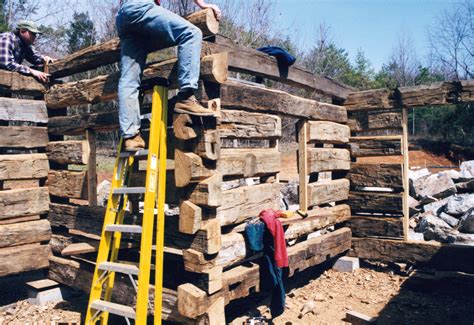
(25, 233)
(23, 166)
(190, 217)
(376, 175)
(193, 302)
(328, 132)
(328, 159)
(249, 162)
(70, 184)
(424, 95)
(24, 110)
(21, 137)
(207, 192)
(370, 100)
(360, 122)
(327, 191)
(189, 168)
(79, 217)
(69, 152)
(242, 124)
(24, 202)
(14, 184)
(18, 83)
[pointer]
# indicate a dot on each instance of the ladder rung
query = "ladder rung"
(145, 116)
(124, 228)
(138, 153)
(129, 190)
(114, 308)
(119, 267)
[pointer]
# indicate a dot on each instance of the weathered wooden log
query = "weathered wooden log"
(363, 226)
(328, 159)
(327, 191)
(25, 233)
(10, 221)
(68, 152)
(328, 132)
(15, 184)
(467, 92)
(441, 257)
(317, 250)
(21, 137)
(376, 175)
(375, 202)
(241, 124)
(25, 110)
(423, 95)
(190, 217)
(207, 192)
(23, 166)
(80, 217)
(245, 202)
(59, 242)
(317, 219)
(238, 95)
(209, 281)
(77, 124)
(109, 52)
(370, 100)
(23, 258)
(249, 162)
(65, 183)
(189, 168)
(375, 146)
(104, 88)
(24, 202)
(18, 83)
(368, 121)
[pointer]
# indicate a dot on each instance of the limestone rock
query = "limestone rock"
(466, 223)
(458, 205)
(417, 179)
(436, 207)
(103, 191)
(453, 174)
(467, 169)
(437, 185)
(433, 228)
(413, 203)
(453, 222)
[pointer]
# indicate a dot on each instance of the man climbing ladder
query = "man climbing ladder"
(144, 26)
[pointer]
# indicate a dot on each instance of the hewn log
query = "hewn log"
(190, 217)
(241, 124)
(467, 92)
(69, 152)
(317, 250)
(249, 162)
(244, 202)
(23, 258)
(80, 217)
(328, 132)
(363, 226)
(25, 233)
(193, 302)
(255, 98)
(104, 88)
(15, 184)
(375, 146)
(317, 219)
(370, 100)
(207, 192)
(328, 159)
(23, 166)
(189, 168)
(24, 202)
(376, 175)
(209, 281)
(441, 257)
(25, 110)
(423, 95)
(369, 121)
(376, 202)
(109, 52)
(65, 183)
(327, 191)
(21, 136)
(59, 242)
(77, 124)
(9, 221)
(18, 83)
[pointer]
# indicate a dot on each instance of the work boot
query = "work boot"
(188, 104)
(134, 143)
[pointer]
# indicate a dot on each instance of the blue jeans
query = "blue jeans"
(144, 27)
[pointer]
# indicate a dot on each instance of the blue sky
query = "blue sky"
(371, 25)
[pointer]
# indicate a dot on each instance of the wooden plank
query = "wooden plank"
(15, 184)
(406, 184)
(375, 146)
(303, 164)
(18, 83)
(21, 136)
(448, 257)
(104, 88)
(317, 250)
(244, 202)
(92, 168)
(239, 95)
(328, 159)
(328, 132)
(242, 124)
(364, 226)
(25, 233)
(24, 110)
(376, 202)
(18, 259)
(327, 191)
(376, 175)
(69, 184)
(109, 52)
(24, 202)
(370, 100)
(249, 162)
(23, 166)
(69, 152)
(79, 248)
(80, 217)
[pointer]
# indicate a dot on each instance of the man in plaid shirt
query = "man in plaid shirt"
(17, 46)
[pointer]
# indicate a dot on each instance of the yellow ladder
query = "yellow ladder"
(107, 264)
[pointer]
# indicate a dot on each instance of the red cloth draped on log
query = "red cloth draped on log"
(269, 217)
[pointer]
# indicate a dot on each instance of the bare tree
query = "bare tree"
(403, 61)
(451, 40)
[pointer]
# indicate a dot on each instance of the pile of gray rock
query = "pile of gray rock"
(442, 205)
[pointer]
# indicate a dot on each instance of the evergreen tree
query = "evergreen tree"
(81, 32)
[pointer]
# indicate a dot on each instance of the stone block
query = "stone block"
(438, 186)
(346, 264)
(467, 169)
(460, 204)
(453, 222)
(467, 222)
(43, 297)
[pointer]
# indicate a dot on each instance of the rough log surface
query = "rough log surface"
(376, 175)
(328, 191)
(18, 83)
(25, 233)
(328, 132)
(22, 136)
(18, 259)
(328, 159)
(25, 110)
(68, 152)
(241, 124)
(376, 202)
(363, 226)
(369, 100)
(23, 166)
(65, 183)
(24, 202)
(79, 217)
(249, 162)
(375, 146)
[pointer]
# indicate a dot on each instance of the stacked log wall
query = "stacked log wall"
(24, 198)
